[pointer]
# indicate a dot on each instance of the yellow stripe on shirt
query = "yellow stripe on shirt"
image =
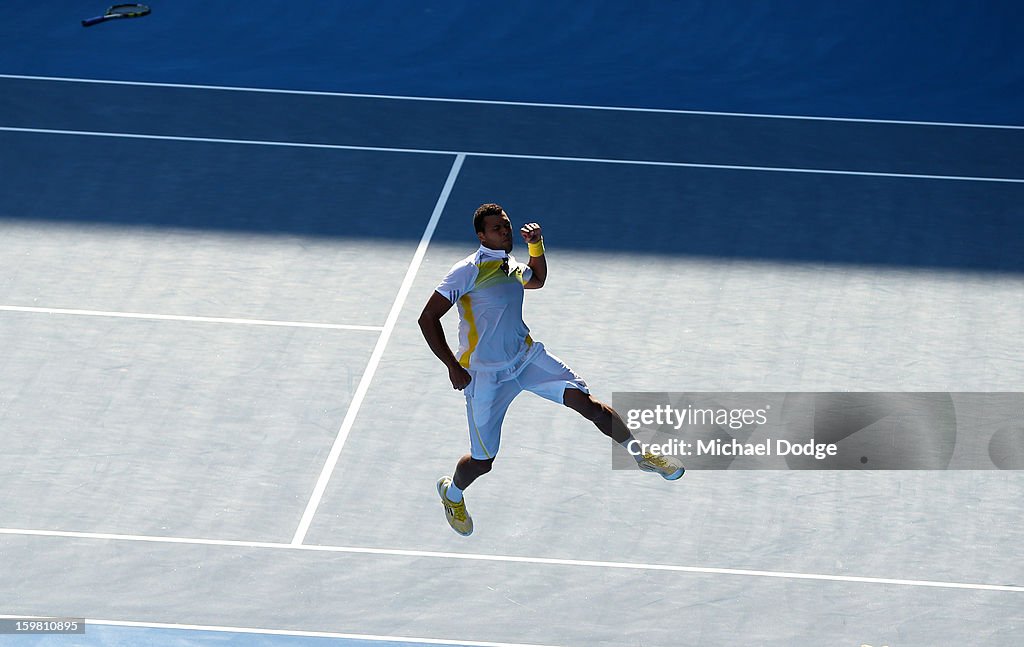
(489, 273)
(473, 337)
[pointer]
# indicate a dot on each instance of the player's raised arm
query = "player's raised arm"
(534, 238)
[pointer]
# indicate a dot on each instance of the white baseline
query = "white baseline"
(514, 559)
(491, 102)
(291, 632)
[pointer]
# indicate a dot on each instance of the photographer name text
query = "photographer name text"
(733, 447)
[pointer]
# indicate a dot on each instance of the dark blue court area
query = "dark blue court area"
(911, 60)
(663, 183)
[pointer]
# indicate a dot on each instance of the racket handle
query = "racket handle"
(89, 22)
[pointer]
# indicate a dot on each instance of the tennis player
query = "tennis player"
(497, 359)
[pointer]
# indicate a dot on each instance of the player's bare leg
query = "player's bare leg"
(604, 417)
(450, 491)
(469, 469)
(608, 421)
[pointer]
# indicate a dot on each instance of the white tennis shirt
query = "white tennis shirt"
(489, 294)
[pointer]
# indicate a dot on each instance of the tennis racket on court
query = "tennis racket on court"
(117, 11)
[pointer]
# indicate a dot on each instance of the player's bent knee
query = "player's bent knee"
(482, 466)
(582, 403)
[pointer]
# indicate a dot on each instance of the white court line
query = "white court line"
(488, 102)
(141, 315)
(378, 352)
(552, 158)
(290, 632)
(515, 559)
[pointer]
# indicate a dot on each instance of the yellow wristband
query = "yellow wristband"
(537, 248)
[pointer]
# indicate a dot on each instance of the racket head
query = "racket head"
(127, 10)
(124, 10)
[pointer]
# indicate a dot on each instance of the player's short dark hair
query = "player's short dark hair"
(484, 210)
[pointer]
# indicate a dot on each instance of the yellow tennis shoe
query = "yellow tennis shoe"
(458, 517)
(669, 467)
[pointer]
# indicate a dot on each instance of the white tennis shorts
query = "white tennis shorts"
(490, 393)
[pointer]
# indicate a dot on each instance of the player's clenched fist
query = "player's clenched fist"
(459, 376)
(531, 232)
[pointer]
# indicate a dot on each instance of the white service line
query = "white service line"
(378, 352)
(515, 559)
(227, 320)
(548, 158)
(491, 102)
(291, 632)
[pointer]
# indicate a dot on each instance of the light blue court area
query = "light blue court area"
(97, 635)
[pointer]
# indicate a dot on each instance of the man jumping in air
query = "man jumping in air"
(497, 359)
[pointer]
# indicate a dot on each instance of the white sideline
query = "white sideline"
(378, 352)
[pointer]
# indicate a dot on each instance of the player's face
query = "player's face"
(497, 233)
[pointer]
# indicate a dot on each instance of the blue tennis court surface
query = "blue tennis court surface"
(122, 636)
(914, 60)
(221, 425)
